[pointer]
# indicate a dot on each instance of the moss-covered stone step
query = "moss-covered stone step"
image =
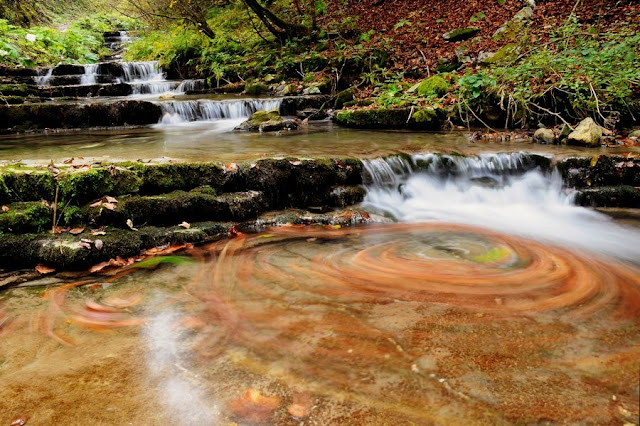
(418, 118)
(599, 171)
(25, 217)
(71, 252)
(612, 196)
(173, 208)
(70, 116)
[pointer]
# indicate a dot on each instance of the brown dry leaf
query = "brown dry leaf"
(85, 245)
(44, 269)
(5, 209)
(231, 167)
(59, 230)
(130, 225)
(111, 200)
(185, 225)
(99, 244)
(96, 204)
(109, 206)
(76, 231)
(99, 267)
(19, 421)
(98, 232)
(69, 161)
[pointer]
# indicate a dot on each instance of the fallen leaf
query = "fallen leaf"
(86, 240)
(44, 269)
(99, 244)
(76, 231)
(234, 232)
(69, 161)
(96, 204)
(253, 406)
(109, 206)
(231, 167)
(185, 225)
(111, 200)
(5, 209)
(295, 163)
(130, 225)
(19, 421)
(253, 166)
(85, 245)
(99, 267)
(98, 232)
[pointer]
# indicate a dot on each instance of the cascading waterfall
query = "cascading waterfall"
(504, 192)
(43, 79)
(191, 85)
(90, 74)
(210, 110)
(146, 78)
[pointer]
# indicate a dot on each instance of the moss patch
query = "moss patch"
(94, 183)
(386, 118)
(433, 86)
(25, 217)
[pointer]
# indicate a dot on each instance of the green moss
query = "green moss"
(15, 90)
(460, 34)
(31, 186)
(427, 118)
(72, 215)
(161, 178)
(255, 89)
(94, 183)
(433, 86)
(344, 97)
(25, 217)
(507, 53)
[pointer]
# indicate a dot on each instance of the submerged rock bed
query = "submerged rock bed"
(54, 214)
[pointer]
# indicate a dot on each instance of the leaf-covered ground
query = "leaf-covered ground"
(413, 29)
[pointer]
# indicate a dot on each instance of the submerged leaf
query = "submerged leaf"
(152, 262)
(42, 269)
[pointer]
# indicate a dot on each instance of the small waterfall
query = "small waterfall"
(191, 85)
(504, 192)
(43, 79)
(209, 110)
(146, 78)
(90, 74)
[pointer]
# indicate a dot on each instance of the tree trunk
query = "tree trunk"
(279, 28)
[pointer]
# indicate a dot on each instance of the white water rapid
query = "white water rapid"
(496, 191)
(233, 112)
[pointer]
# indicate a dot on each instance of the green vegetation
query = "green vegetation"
(584, 72)
(81, 42)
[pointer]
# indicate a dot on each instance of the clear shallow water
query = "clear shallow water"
(422, 323)
(493, 300)
(209, 141)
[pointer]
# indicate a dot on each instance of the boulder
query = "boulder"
(587, 133)
(343, 97)
(544, 136)
(312, 90)
(461, 34)
(432, 86)
(268, 121)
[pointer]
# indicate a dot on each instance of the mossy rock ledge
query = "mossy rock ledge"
(418, 118)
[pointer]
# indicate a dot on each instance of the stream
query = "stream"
(487, 297)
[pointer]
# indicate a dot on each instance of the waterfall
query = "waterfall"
(210, 110)
(191, 85)
(146, 78)
(90, 74)
(43, 79)
(504, 192)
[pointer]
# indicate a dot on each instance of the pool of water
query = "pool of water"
(398, 324)
(213, 140)
(488, 299)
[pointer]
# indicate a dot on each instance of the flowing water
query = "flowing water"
(487, 297)
(491, 299)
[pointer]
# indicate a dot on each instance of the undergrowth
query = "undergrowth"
(81, 42)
